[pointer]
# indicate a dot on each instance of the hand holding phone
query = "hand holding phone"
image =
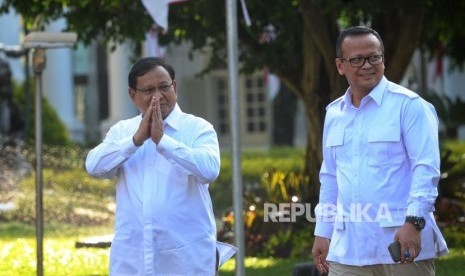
(394, 250)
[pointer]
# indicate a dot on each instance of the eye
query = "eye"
(356, 60)
(149, 90)
(164, 87)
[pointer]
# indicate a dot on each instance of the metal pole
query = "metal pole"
(27, 92)
(38, 63)
(231, 28)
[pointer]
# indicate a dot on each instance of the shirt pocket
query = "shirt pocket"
(335, 138)
(385, 146)
(334, 142)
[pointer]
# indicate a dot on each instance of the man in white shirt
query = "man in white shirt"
(380, 171)
(164, 160)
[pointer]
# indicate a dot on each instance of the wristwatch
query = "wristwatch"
(418, 222)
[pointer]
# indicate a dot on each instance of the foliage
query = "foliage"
(254, 164)
(53, 130)
(279, 244)
(282, 186)
(299, 48)
(450, 204)
(453, 170)
(455, 236)
(440, 35)
(275, 177)
(70, 195)
(58, 158)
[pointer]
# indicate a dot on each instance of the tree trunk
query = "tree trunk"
(313, 153)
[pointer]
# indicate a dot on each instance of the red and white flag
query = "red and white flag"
(158, 10)
(152, 46)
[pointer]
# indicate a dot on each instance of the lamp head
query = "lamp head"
(46, 40)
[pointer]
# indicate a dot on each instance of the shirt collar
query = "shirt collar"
(376, 94)
(174, 118)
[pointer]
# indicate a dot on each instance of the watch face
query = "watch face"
(421, 223)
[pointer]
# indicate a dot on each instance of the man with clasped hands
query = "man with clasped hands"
(164, 160)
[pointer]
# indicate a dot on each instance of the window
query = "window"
(222, 104)
(253, 109)
(255, 105)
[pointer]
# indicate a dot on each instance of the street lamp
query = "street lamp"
(40, 41)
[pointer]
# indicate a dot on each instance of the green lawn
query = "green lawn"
(73, 202)
(18, 256)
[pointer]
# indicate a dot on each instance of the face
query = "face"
(363, 79)
(156, 82)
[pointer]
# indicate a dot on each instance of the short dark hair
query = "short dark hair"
(144, 65)
(355, 31)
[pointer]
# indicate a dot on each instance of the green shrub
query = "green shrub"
(455, 236)
(254, 165)
(70, 197)
(279, 244)
(58, 157)
(54, 131)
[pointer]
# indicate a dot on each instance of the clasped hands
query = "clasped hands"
(151, 125)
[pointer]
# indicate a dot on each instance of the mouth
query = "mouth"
(367, 75)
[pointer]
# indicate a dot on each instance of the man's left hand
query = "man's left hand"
(410, 241)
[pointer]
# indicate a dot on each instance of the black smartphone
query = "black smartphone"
(394, 250)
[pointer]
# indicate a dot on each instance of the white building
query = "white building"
(88, 89)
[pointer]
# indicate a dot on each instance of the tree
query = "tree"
(302, 53)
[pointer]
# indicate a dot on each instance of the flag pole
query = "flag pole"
(231, 28)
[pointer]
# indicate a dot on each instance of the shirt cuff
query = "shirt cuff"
(324, 229)
(167, 145)
(128, 144)
(419, 209)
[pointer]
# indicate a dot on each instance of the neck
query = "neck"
(356, 98)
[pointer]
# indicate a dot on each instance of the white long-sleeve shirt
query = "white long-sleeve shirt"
(381, 163)
(164, 223)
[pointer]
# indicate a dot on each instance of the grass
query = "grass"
(18, 250)
(18, 255)
(77, 206)
(451, 264)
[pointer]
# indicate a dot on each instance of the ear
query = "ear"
(132, 94)
(174, 86)
(339, 66)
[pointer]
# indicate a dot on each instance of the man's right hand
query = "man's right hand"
(320, 251)
(143, 132)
